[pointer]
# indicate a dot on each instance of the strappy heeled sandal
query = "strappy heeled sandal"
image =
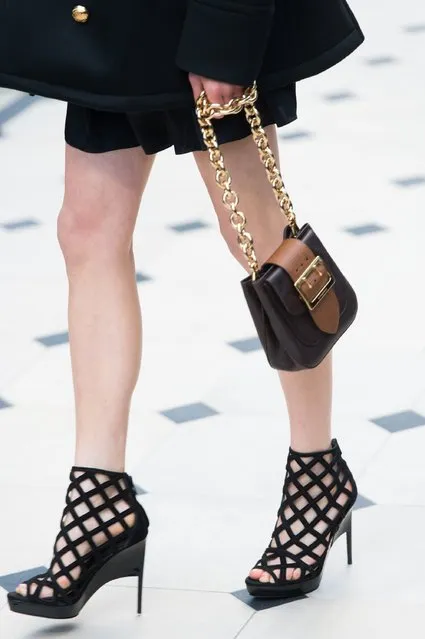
(318, 496)
(102, 537)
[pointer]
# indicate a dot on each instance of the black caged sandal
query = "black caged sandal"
(318, 497)
(102, 537)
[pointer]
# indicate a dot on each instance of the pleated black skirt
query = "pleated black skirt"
(95, 131)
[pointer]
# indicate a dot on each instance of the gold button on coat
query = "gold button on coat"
(80, 13)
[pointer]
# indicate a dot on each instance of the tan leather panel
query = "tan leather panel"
(294, 257)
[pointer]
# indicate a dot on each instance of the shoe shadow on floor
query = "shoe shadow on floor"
(57, 630)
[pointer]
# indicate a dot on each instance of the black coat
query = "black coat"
(278, 41)
(138, 54)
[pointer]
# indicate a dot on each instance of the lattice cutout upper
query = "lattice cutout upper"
(318, 492)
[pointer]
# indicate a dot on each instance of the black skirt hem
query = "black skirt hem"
(94, 131)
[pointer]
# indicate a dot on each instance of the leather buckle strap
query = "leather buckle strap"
(312, 280)
(308, 290)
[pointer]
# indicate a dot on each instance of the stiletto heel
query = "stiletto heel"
(318, 496)
(139, 594)
(350, 542)
(102, 515)
(140, 582)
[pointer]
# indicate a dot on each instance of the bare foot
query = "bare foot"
(313, 498)
(80, 529)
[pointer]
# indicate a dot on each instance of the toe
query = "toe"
(265, 578)
(22, 590)
(256, 573)
(292, 574)
(260, 575)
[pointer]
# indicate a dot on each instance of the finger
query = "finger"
(238, 91)
(231, 91)
(196, 84)
(214, 91)
(221, 92)
(214, 94)
(228, 94)
(235, 91)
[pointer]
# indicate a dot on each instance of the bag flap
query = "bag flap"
(278, 279)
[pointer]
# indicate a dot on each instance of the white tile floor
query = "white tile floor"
(212, 504)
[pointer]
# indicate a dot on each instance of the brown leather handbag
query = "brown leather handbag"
(299, 300)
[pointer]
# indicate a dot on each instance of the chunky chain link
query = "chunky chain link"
(206, 112)
(268, 159)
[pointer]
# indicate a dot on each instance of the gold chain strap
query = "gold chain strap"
(206, 112)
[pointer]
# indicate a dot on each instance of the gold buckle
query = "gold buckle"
(303, 279)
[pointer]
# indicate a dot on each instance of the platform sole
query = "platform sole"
(293, 589)
(127, 563)
(288, 591)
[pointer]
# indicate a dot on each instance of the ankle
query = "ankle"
(90, 453)
(99, 463)
(305, 446)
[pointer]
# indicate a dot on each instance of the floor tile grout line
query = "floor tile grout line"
(388, 505)
(370, 461)
(14, 379)
(211, 592)
(238, 634)
(417, 397)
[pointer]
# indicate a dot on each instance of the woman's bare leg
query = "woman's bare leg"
(95, 230)
(308, 393)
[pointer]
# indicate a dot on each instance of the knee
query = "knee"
(92, 233)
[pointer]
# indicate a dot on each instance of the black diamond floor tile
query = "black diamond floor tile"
(16, 107)
(365, 229)
(141, 277)
(339, 96)
(9, 582)
(381, 60)
(55, 339)
(186, 227)
(263, 604)
(4, 404)
(139, 490)
(415, 28)
(189, 413)
(363, 502)
(247, 345)
(400, 421)
(296, 135)
(18, 225)
(406, 182)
